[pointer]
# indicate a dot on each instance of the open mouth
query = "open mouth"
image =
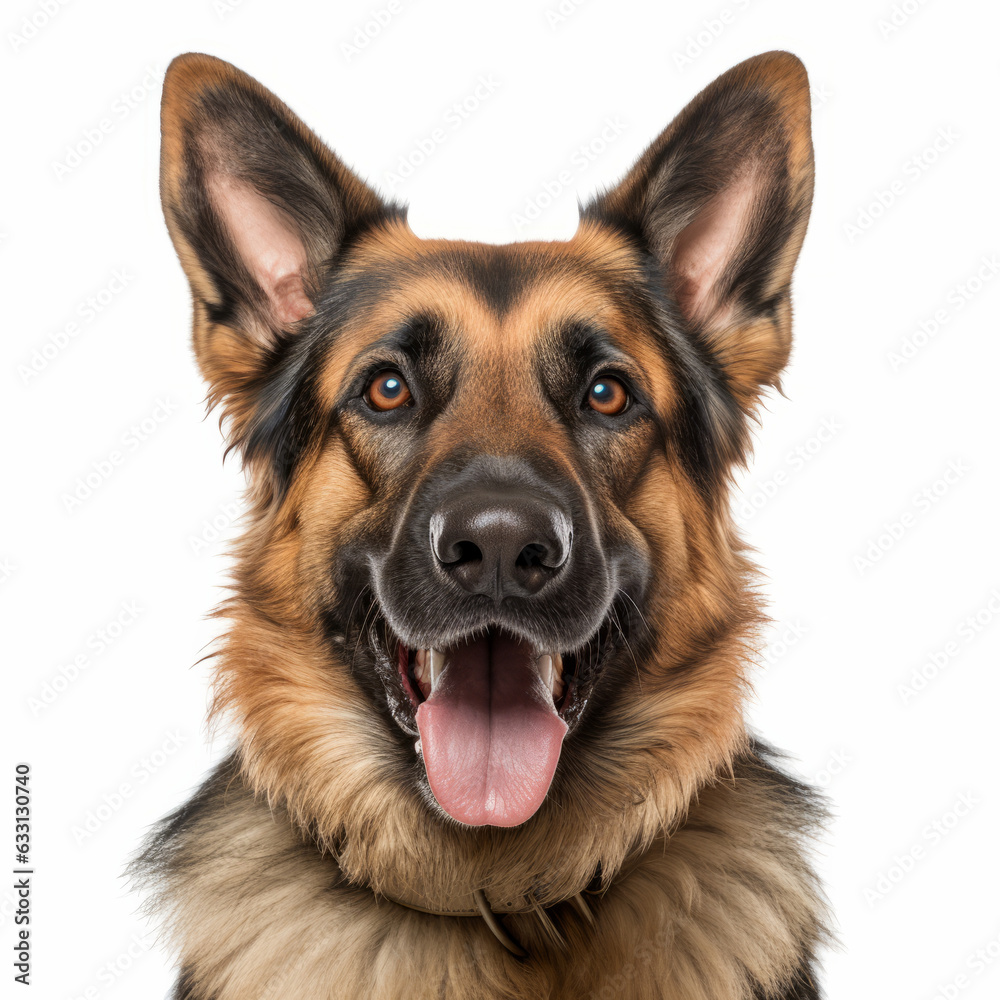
(491, 712)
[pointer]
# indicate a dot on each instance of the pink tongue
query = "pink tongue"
(490, 734)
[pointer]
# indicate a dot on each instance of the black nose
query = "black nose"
(504, 544)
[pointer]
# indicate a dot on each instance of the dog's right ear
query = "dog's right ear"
(257, 207)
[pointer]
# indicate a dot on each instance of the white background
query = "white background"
(841, 464)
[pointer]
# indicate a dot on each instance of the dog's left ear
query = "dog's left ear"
(721, 199)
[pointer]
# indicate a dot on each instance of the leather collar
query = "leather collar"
(476, 903)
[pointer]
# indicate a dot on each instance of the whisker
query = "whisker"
(624, 638)
(364, 628)
(631, 600)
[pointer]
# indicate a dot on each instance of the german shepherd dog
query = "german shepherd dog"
(491, 622)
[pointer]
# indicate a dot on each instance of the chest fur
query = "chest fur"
(723, 909)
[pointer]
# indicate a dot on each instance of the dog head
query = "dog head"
(490, 574)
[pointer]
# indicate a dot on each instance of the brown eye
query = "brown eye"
(388, 391)
(607, 396)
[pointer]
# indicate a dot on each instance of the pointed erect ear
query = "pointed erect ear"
(256, 205)
(721, 200)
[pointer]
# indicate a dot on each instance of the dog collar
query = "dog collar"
(479, 905)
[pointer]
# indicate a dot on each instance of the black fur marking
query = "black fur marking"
(288, 418)
(803, 811)
(589, 346)
(160, 857)
(201, 805)
(802, 987)
(496, 275)
(714, 140)
(762, 763)
(709, 431)
(184, 989)
(381, 686)
(418, 342)
(235, 131)
(418, 339)
(286, 413)
(499, 275)
(240, 134)
(680, 174)
(578, 353)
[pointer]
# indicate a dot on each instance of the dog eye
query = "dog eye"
(607, 396)
(387, 391)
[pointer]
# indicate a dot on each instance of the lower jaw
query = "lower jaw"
(491, 714)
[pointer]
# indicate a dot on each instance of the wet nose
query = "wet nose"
(500, 544)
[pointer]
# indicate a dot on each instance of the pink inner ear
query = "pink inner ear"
(705, 247)
(268, 244)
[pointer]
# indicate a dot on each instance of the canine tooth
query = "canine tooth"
(435, 665)
(550, 667)
(557, 676)
(546, 670)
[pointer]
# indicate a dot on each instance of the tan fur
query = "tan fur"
(723, 897)
(277, 891)
(303, 720)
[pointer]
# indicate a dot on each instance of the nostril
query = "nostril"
(531, 555)
(465, 552)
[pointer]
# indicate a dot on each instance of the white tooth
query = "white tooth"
(419, 669)
(435, 664)
(546, 670)
(418, 748)
(557, 686)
